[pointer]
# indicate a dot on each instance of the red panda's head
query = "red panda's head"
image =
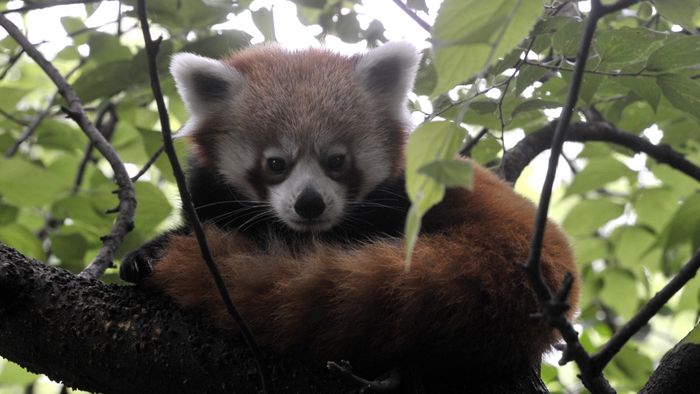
(307, 132)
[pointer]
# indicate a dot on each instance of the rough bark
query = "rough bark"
(122, 339)
(678, 371)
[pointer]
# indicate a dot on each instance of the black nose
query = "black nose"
(309, 204)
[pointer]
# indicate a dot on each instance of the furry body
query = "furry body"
(341, 291)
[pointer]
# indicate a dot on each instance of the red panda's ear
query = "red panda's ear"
(204, 84)
(388, 72)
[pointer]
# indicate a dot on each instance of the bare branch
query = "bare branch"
(537, 142)
(36, 122)
(591, 376)
(11, 63)
(31, 128)
(187, 204)
(148, 164)
(127, 200)
(650, 309)
(107, 129)
(425, 25)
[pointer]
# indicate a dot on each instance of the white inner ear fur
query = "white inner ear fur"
(203, 83)
(388, 73)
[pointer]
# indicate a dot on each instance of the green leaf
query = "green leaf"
(451, 173)
(590, 248)
(470, 35)
(8, 214)
(534, 105)
(630, 366)
(219, 45)
(430, 142)
(153, 206)
(682, 92)
(693, 336)
(598, 172)
(24, 184)
(645, 88)
(678, 11)
(20, 238)
(620, 291)
(587, 216)
(418, 5)
(620, 47)
(567, 39)
(13, 374)
(632, 245)
(527, 76)
(70, 248)
(676, 53)
(105, 48)
(684, 222)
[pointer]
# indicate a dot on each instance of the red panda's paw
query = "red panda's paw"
(138, 264)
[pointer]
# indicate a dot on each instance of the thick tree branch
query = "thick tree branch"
(187, 204)
(537, 142)
(124, 339)
(677, 372)
(127, 199)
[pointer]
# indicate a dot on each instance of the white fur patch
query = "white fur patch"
(234, 159)
(185, 67)
(308, 174)
(395, 63)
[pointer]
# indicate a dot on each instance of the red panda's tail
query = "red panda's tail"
(464, 297)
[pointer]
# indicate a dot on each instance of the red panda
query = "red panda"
(297, 171)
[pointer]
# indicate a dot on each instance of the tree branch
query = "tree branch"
(537, 142)
(648, 311)
(187, 204)
(591, 376)
(127, 200)
(36, 122)
(425, 25)
(125, 339)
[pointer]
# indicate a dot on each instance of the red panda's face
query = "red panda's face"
(305, 135)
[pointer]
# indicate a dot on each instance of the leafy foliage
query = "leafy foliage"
(503, 65)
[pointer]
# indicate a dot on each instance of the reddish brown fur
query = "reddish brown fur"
(464, 297)
(292, 93)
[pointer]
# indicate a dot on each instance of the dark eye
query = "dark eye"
(276, 165)
(335, 162)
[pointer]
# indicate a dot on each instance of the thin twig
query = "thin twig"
(425, 25)
(107, 129)
(127, 200)
(36, 122)
(651, 308)
(9, 116)
(467, 150)
(187, 205)
(148, 164)
(11, 63)
(591, 376)
(31, 128)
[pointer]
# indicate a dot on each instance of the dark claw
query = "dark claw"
(138, 265)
